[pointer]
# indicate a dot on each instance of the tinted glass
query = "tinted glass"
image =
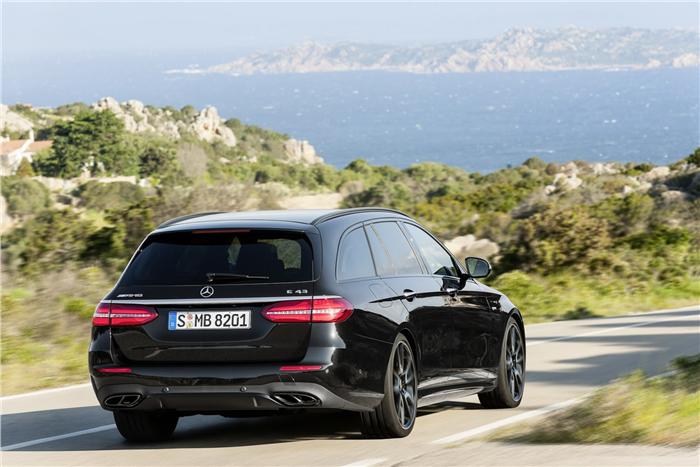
(439, 262)
(354, 258)
(396, 245)
(381, 258)
(187, 257)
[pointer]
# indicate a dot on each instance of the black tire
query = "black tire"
(511, 371)
(400, 396)
(143, 427)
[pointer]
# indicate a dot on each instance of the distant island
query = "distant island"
(568, 48)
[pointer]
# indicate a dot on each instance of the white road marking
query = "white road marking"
(34, 442)
(367, 462)
(507, 421)
(631, 314)
(44, 391)
(618, 328)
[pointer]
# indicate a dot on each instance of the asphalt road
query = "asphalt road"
(566, 360)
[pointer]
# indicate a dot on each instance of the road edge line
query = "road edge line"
(461, 436)
(33, 442)
(43, 391)
(367, 462)
(628, 314)
(607, 330)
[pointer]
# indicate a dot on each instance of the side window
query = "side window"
(354, 258)
(439, 262)
(396, 247)
(384, 265)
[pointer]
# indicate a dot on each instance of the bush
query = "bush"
(160, 162)
(552, 240)
(694, 158)
(78, 307)
(25, 169)
(47, 242)
(24, 196)
(658, 239)
(112, 245)
(113, 195)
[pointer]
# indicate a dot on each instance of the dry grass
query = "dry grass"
(46, 329)
(634, 409)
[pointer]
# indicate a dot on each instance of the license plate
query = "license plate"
(189, 320)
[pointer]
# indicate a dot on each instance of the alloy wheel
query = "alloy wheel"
(514, 363)
(404, 385)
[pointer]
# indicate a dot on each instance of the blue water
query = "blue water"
(476, 121)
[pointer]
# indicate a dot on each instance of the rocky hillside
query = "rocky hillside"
(178, 125)
(206, 124)
(515, 50)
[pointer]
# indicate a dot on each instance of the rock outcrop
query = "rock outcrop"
(686, 60)
(655, 174)
(563, 182)
(206, 125)
(301, 151)
(14, 122)
(469, 245)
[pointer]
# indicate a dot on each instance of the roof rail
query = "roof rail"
(348, 211)
(175, 220)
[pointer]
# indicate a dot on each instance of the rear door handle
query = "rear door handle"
(409, 294)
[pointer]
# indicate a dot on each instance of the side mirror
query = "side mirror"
(477, 267)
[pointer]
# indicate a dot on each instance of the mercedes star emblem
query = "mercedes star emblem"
(207, 291)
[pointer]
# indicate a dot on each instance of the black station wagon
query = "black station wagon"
(352, 309)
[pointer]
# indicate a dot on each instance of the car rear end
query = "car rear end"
(212, 318)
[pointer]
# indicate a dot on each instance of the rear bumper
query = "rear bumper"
(222, 399)
(223, 388)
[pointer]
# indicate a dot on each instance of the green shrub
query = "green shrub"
(659, 238)
(24, 196)
(25, 169)
(78, 307)
(160, 162)
(556, 239)
(49, 241)
(112, 195)
(694, 158)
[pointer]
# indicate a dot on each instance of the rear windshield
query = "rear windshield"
(197, 257)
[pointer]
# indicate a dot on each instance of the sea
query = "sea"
(479, 121)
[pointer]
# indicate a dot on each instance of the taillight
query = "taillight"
(122, 315)
(101, 316)
(318, 310)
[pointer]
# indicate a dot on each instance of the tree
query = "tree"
(25, 169)
(161, 162)
(95, 141)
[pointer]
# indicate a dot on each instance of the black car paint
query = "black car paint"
(454, 325)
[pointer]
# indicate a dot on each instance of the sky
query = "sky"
(31, 29)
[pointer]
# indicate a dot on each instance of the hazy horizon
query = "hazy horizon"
(217, 28)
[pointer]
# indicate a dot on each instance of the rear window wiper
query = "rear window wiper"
(228, 276)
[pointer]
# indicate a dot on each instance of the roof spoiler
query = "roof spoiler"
(175, 220)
